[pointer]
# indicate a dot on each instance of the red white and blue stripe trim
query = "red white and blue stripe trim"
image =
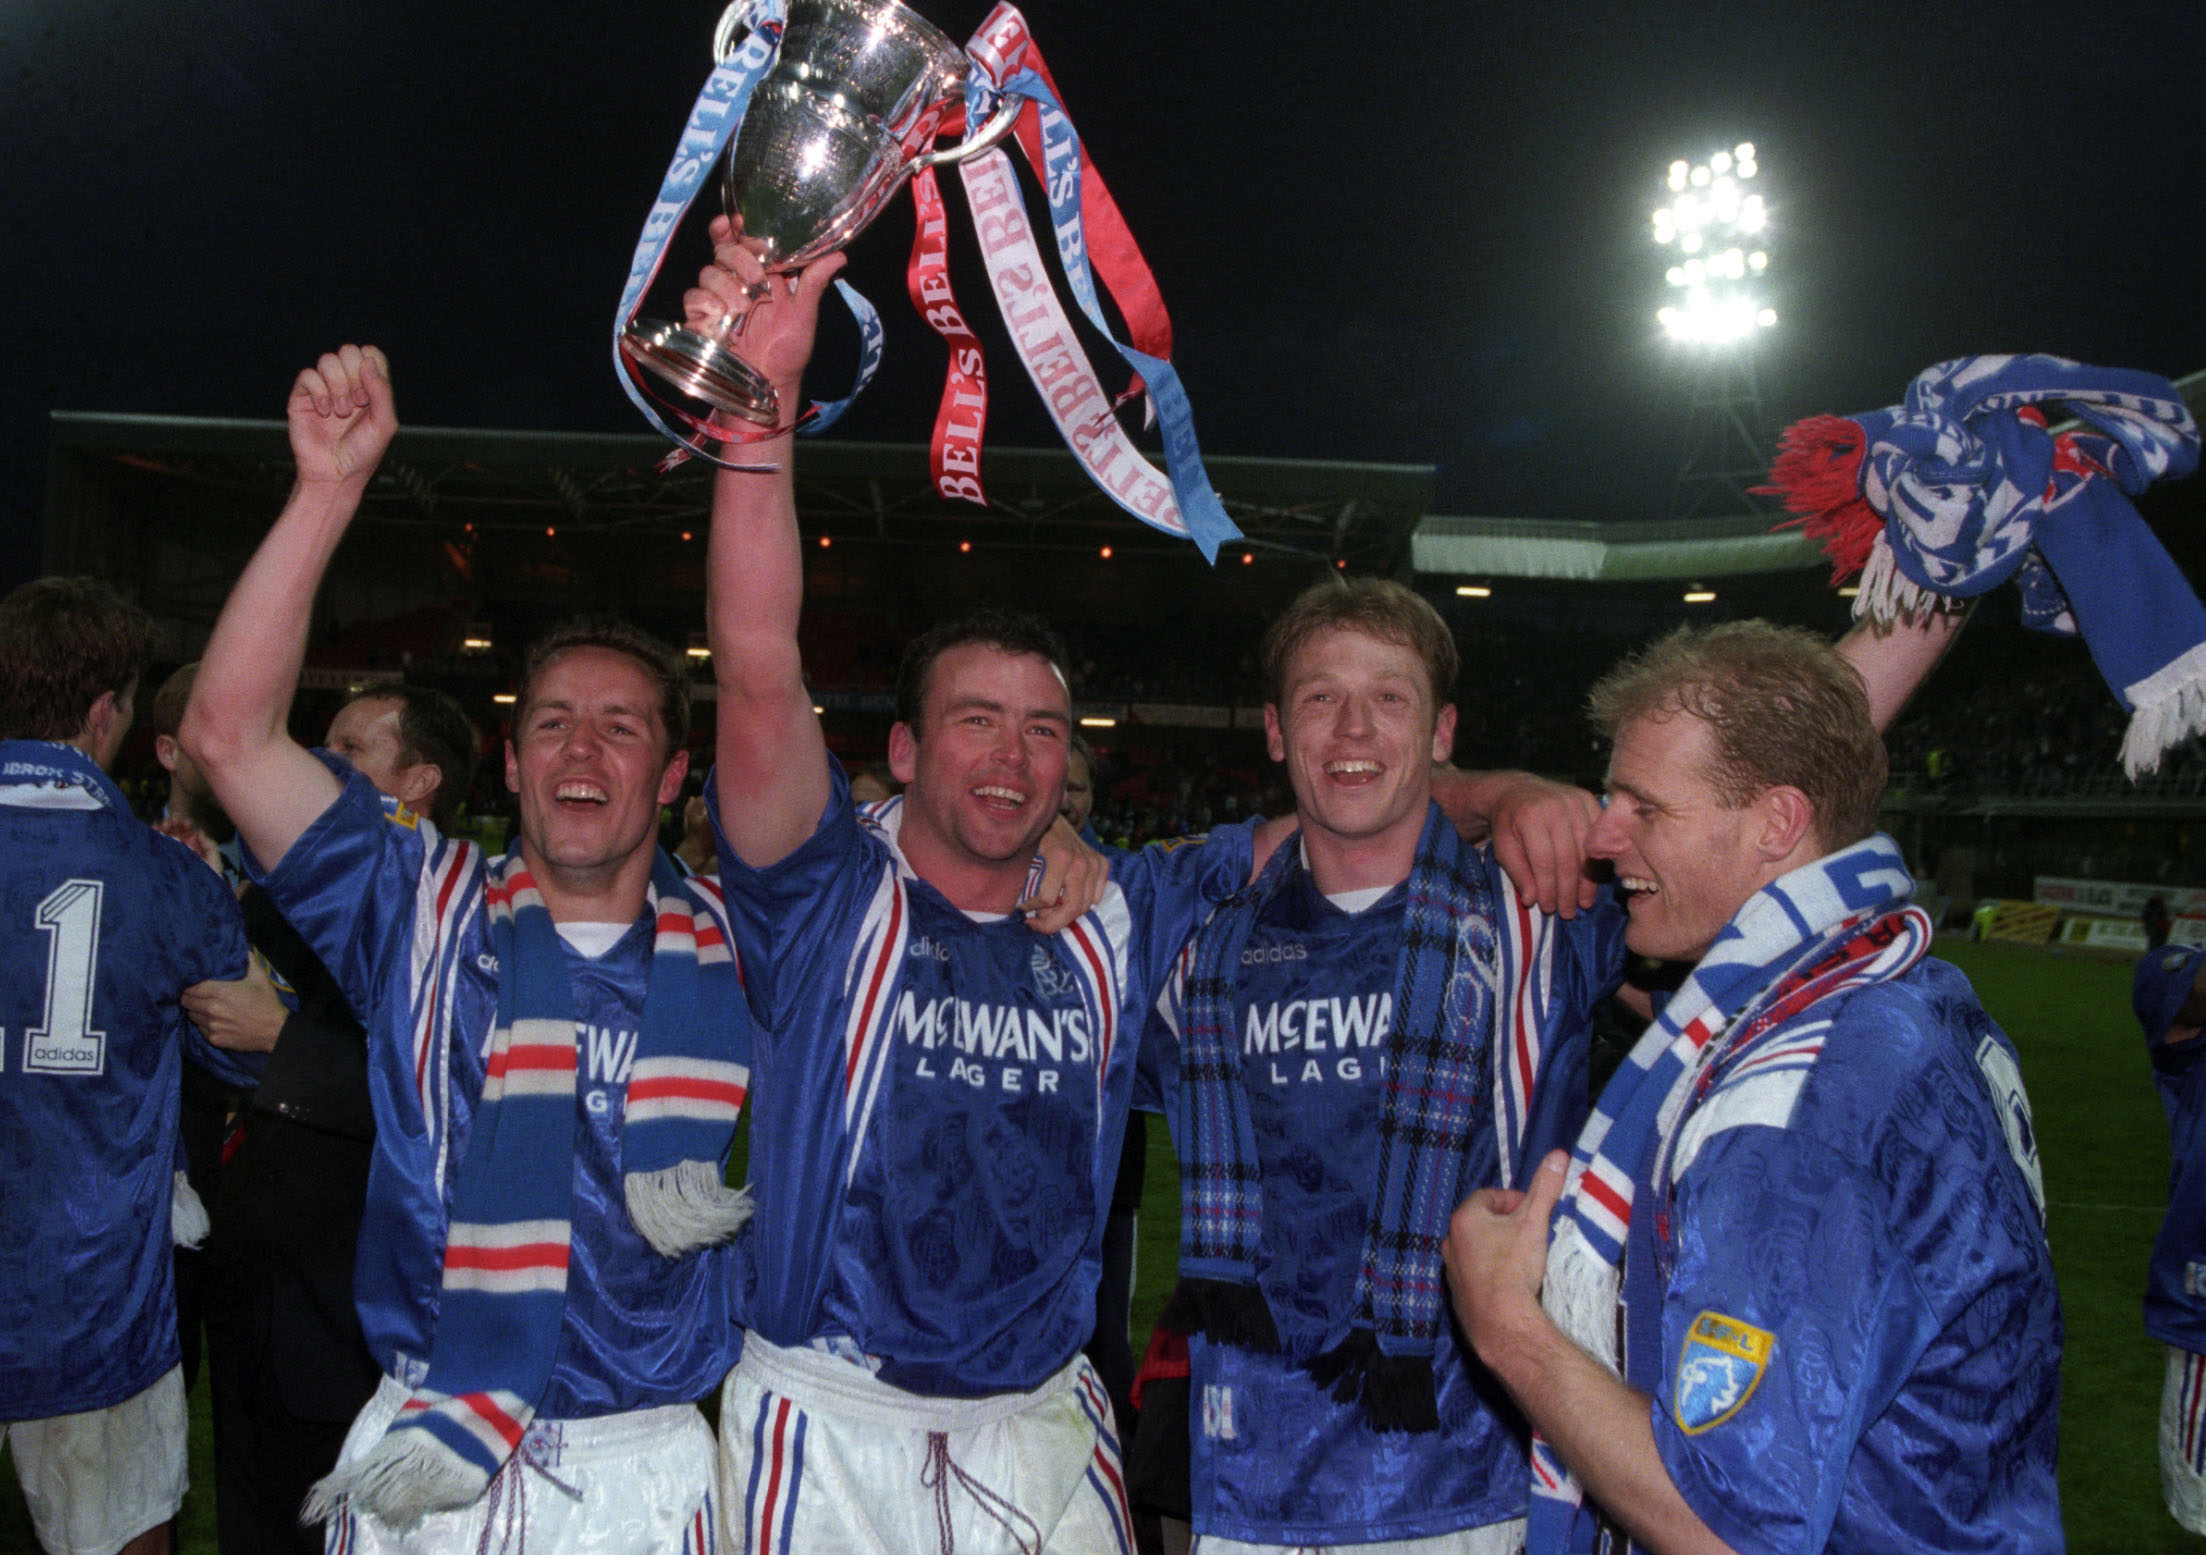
(777, 1470)
(449, 896)
(1106, 1474)
(869, 988)
(1522, 1002)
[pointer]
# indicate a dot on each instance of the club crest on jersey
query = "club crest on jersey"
(1717, 1371)
(1051, 980)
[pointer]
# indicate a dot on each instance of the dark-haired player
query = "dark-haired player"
(942, 1096)
(103, 924)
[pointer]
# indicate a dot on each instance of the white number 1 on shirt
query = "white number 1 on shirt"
(64, 1042)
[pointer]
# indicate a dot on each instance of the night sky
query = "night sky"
(1413, 233)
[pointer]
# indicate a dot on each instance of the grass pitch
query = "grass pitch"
(2105, 1152)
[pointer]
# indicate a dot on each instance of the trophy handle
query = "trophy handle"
(735, 26)
(998, 126)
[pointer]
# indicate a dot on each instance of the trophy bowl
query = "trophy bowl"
(849, 111)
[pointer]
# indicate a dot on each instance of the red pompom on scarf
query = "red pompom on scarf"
(1817, 474)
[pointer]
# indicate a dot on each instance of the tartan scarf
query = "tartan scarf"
(1836, 923)
(1962, 487)
(1436, 1098)
(506, 1250)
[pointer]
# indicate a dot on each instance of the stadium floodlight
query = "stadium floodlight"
(1722, 230)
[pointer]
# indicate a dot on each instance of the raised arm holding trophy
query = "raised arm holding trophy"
(851, 107)
(822, 111)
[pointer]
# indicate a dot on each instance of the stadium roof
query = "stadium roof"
(1551, 548)
(510, 520)
(1039, 498)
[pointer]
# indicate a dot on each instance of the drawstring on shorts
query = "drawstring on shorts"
(938, 1472)
(507, 1493)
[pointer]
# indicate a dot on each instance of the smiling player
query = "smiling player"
(941, 1098)
(1800, 1289)
(526, 1325)
(1386, 1026)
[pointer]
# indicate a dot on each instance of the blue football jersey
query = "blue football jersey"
(103, 923)
(1844, 1305)
(1276, 1458)
(396, 912)
(2175, 1287)
(938, 1101)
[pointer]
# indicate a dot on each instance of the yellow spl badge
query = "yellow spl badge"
(1717, 1371)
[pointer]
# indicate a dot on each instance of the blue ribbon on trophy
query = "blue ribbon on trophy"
(748, 48)
(815, 137)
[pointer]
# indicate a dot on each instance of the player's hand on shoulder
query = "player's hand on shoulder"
(343, 415)
(193, 838)
(1074, 877)
(1540, 834)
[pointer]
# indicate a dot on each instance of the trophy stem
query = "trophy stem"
(703, 369)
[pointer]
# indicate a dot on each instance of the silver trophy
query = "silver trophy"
(849, 111)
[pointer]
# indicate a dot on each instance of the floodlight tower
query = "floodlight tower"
(1715, 233)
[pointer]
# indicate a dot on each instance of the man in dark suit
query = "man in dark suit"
(295, 1173)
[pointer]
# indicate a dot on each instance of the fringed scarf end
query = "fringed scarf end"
(402, 1479)
(1396, 1391)
(1888, 594)
(2163, 718)
(683, 1207)
(1225, 1312)
(1817, 475)
(188, 1224)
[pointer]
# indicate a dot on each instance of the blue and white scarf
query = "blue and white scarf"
(1790, 927)
(1962, 487)
(687, 1085)
(506, 1251)
(1437, 1097)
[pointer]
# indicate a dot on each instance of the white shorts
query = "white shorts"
(815, 1454)
(2183, 1438)
(1493, 1539)
(638, 1483)
(95, 1481)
